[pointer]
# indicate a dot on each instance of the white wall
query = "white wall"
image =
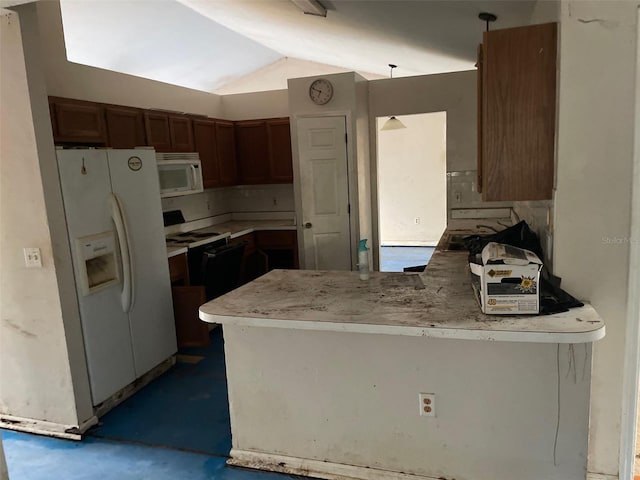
(249, 106)
(72, 80)
(593, 196)
(412, 182)
(353, 399)
(344, 103)
(37, 338)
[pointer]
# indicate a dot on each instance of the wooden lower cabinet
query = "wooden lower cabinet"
(190, 330)
(280, 246)
(254, 262)
(266, 250)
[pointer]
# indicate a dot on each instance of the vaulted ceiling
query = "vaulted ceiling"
(235, 46)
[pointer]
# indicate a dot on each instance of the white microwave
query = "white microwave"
(179, 173)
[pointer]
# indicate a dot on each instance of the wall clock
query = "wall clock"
(321, 91)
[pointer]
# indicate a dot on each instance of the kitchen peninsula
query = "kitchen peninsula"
(325, 371)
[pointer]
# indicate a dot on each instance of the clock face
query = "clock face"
(321, 91)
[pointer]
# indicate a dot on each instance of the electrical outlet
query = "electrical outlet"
(32, 258)
(416, 220)
(427, 404)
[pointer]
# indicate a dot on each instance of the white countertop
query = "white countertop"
(173, 251)
(230, 229)
(392, 303)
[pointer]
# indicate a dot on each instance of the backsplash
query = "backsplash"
(261, 198)
(242, 198)
(539, 217)
(462, 192)
(211, 202)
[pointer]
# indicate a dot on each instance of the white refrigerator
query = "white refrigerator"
(114, 220)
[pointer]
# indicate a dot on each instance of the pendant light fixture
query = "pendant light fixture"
(393, 123)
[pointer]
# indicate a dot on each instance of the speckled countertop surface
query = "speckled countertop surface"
(436, 303)
(231, 229)
(237, 228)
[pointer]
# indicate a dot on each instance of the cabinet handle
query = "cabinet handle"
(308, 225)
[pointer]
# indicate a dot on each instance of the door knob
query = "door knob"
(308, 225)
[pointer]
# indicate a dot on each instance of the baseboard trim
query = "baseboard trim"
(600, 476)
(313, 468)
(42, 427)
(120, 396)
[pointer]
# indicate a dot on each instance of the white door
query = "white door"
(324, 187)
(86, 189)
(134, 179)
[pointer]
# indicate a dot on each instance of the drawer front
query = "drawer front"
(250, 239)
(276, 239)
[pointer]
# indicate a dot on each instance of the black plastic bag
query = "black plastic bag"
(518, 235)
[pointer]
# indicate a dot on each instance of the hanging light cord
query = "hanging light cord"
(392, 66)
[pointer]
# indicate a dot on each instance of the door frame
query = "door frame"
(352, 182)
(632, 348)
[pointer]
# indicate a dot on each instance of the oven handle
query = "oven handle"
(119, 220)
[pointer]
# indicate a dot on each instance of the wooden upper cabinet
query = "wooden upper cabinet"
(252, 151)
(280, 158)
(77, 121)
(52, 115)
(226, 151)
(204, 137)
(518, 113)
(156, 126)
(181, 133)
(125, 127)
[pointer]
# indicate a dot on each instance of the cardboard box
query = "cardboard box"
(506, 282)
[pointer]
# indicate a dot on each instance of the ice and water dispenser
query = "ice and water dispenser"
(98, 261)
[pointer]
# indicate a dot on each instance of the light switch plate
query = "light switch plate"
(32, 257)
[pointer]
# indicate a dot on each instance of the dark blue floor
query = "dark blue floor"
(175, 428)
(186, 408)
(395, 259)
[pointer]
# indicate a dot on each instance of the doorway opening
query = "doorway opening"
(412, 189)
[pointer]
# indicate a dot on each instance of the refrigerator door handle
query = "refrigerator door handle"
(194, 176)
(119, 221)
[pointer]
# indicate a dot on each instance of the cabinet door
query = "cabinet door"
(254, 263)
(280, 246)
(52, 116)
(78, 121)
(252, 150)
(280, 158)
(181, 133)
(204, 136)
(479, 118)
(190, 330)
(156, 126)
(226, 150)
(519, 105)
(125, 127)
